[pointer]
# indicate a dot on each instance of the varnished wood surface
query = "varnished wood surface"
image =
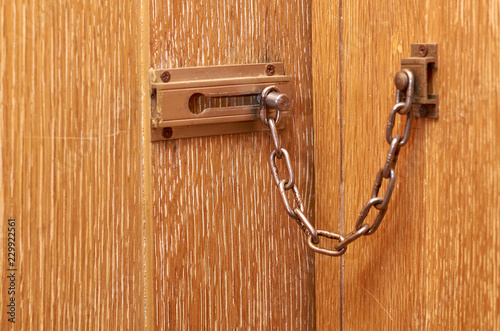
(226, 254)
(147, 179)
(327, 87)
(70, 142)
(383, 272)
(433, 263)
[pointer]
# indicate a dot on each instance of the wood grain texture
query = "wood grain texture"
(70, 142)
(434, 262)
(147, 178)
(326, 62)
(383, 272)
(227, 255)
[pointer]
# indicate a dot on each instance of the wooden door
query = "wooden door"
(434, 262)
(225, 253)
(71, 156)
(115, 232)
(104, 219)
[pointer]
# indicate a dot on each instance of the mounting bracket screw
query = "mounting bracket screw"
(270, 70)
(167, 133)
(423, 111)
(165, 76)
(422, 50)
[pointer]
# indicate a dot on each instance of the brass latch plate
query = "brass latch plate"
(205, 101)
(423, 62)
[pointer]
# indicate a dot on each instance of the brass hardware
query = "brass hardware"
(401, 81)
(234, 89)
(422, 63)
(405, 84)
(277, 100)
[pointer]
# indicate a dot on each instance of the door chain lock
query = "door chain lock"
(412, 95)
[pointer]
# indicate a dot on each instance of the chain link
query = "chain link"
(386, 172)
(290, 181)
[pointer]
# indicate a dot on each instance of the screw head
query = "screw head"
(423, 111)
(270, 70)
(422, 50)
(165, 76)
(401, 81)
(167, 133)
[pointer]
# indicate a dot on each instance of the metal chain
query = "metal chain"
(295, 209)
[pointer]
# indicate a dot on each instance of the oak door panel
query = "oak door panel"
(433, 263)
(226, 254)
(70, 163)
(327, 86)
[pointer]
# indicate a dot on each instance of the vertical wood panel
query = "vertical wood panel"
(328, 155)
(433, 263)
(70, 141)
(383, 272)
(462, 198)
(226, 253)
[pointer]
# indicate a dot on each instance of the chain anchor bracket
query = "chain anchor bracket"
(423, 62)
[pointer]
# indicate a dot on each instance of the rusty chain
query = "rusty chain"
(296, 209)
